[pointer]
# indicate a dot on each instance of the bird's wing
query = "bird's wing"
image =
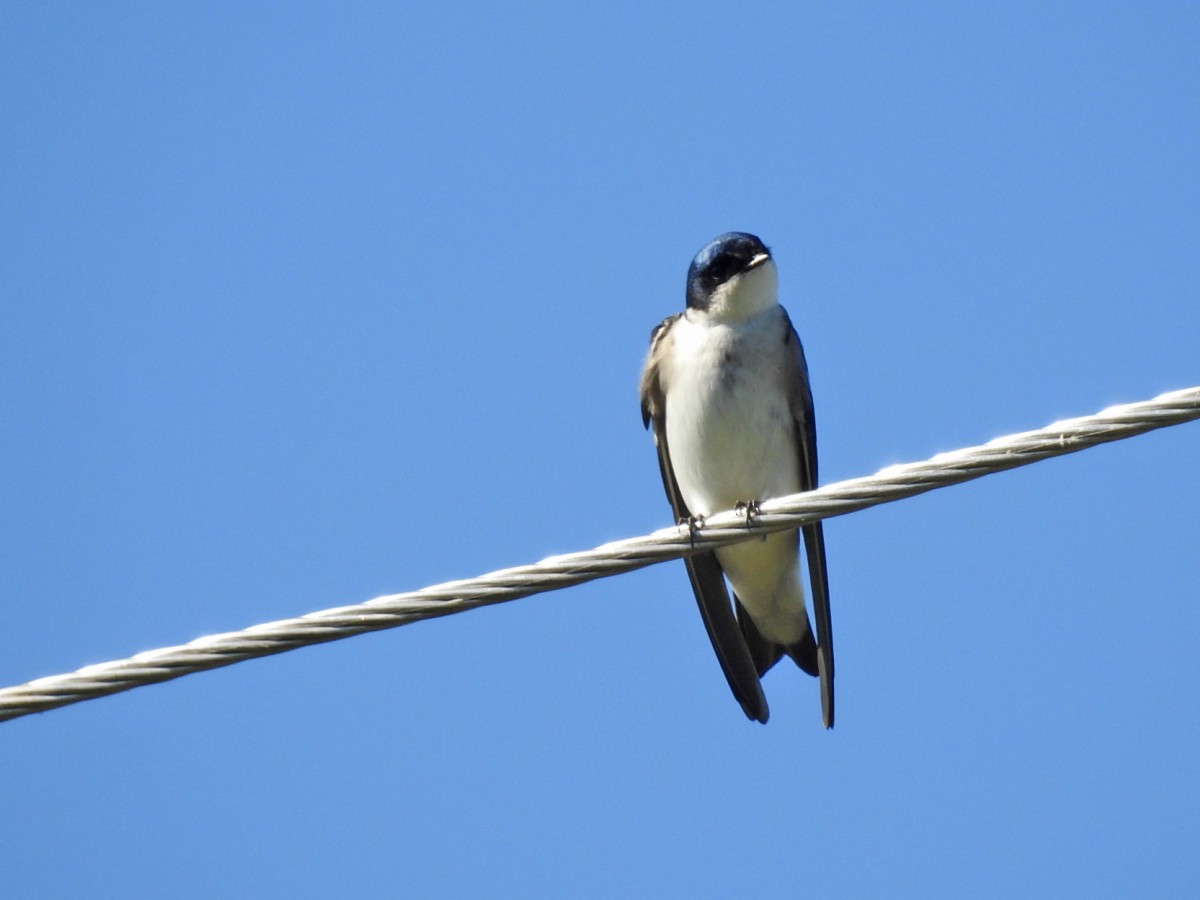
(801, 403)
(704, 571)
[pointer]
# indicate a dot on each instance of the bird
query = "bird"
(725, 391)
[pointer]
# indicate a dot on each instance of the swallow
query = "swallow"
(725, 390)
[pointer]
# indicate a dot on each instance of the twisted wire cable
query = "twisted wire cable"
(557, 572)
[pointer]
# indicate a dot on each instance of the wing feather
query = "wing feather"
(814, 535)
(704, 571)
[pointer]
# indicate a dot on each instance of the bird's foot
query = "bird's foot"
(749, 509)
(694, 524)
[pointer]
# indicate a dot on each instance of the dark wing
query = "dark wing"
(814, 535)
(708, 580)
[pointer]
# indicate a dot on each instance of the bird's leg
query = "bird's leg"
(694, 524)
(749, 509)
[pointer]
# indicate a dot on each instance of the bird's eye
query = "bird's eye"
(722, 269)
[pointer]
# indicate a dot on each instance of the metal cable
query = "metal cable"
(553, 573)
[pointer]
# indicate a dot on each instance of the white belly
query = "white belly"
(732, 439)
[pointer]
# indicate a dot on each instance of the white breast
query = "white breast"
(729, 425)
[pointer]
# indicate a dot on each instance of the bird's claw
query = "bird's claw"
(749, 509)
(694, 524)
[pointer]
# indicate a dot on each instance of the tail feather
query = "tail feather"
(804, 653)
(766, 653)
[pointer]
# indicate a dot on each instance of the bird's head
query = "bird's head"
(733, 277)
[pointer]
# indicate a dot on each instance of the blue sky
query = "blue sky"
(304, 304)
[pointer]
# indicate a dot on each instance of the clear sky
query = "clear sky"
(303, 304)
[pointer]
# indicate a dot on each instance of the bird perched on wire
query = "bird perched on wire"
(725, 387)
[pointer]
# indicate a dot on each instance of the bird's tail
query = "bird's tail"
(766, 653)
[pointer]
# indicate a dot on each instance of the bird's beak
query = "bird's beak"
(757, 261)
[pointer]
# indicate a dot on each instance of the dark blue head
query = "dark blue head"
(721, 262)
